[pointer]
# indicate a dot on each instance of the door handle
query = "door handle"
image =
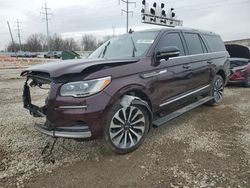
(186, 66)
(154, 73)
(162, 72)
(209, 62)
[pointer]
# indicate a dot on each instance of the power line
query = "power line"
(211, 6)
(127, 2)
(46, 9)
(113, 17)
(193, 7)
(19, 34)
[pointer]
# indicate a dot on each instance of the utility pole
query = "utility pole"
(45, 12)
(13, 43)
(127, 10)
(18, 34)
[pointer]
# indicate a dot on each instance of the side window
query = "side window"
(215, 43)
(172, 39)
(194, 43)
(203, 46)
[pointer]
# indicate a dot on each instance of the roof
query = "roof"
(182, 29)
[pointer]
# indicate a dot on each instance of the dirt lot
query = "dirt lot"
(207, 147)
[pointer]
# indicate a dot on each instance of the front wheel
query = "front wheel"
(217, 90)
(126, 128)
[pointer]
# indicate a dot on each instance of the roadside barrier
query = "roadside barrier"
(17, 63)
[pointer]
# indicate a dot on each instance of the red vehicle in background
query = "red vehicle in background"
(239, 64)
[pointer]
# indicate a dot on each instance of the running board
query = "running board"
(175, 114)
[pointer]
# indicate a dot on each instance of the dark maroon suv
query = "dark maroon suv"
(131, 83)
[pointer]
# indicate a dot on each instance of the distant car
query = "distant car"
(55, 54)
(24, 54)
(18, 54)
(239, 64)
(240, 71)
(30, 54)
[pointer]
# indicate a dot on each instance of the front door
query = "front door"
(175, 74)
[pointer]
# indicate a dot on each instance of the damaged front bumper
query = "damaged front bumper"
(33, 109)
(76, 131)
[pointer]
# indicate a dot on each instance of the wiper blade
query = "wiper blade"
(105, 49)
(134, 48)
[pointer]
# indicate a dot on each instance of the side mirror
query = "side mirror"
(167, 52)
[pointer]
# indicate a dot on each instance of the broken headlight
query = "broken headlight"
(84, 88)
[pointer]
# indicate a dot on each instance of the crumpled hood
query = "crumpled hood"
(57, 69)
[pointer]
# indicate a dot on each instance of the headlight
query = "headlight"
(84, 88)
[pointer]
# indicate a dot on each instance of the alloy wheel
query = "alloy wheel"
(127, 127)
(218, 90)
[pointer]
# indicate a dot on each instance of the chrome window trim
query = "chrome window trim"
(183, 96)
(193, 55)
(73, 107)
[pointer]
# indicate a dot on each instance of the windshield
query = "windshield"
(125, 46)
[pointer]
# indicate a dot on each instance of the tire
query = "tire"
(247, 84)
(124, 135)
(217, 90)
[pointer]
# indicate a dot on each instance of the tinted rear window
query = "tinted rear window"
(215, 43)
(194, 43)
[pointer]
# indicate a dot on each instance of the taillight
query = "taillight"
(240, 72)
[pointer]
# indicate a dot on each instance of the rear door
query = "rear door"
(201, 63)
(175, 76)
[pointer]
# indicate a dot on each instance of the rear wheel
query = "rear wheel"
(217, 90)
(126, 128)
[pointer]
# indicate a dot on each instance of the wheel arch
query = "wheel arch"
(136, 91)
(222, 73)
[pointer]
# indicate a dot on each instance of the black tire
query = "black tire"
(217, 90)
(247, 83)
(128, 130)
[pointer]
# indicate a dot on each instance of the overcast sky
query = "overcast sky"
(72, 18)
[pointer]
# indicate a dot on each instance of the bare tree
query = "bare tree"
(56, 42)
(12, 48)
(35, 43)
(70, 44)
(88, 42)
(104, 39)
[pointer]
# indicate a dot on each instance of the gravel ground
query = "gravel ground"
(207, 147)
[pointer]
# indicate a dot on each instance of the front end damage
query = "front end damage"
(75, 130)
(70, 115)
(27, 104)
